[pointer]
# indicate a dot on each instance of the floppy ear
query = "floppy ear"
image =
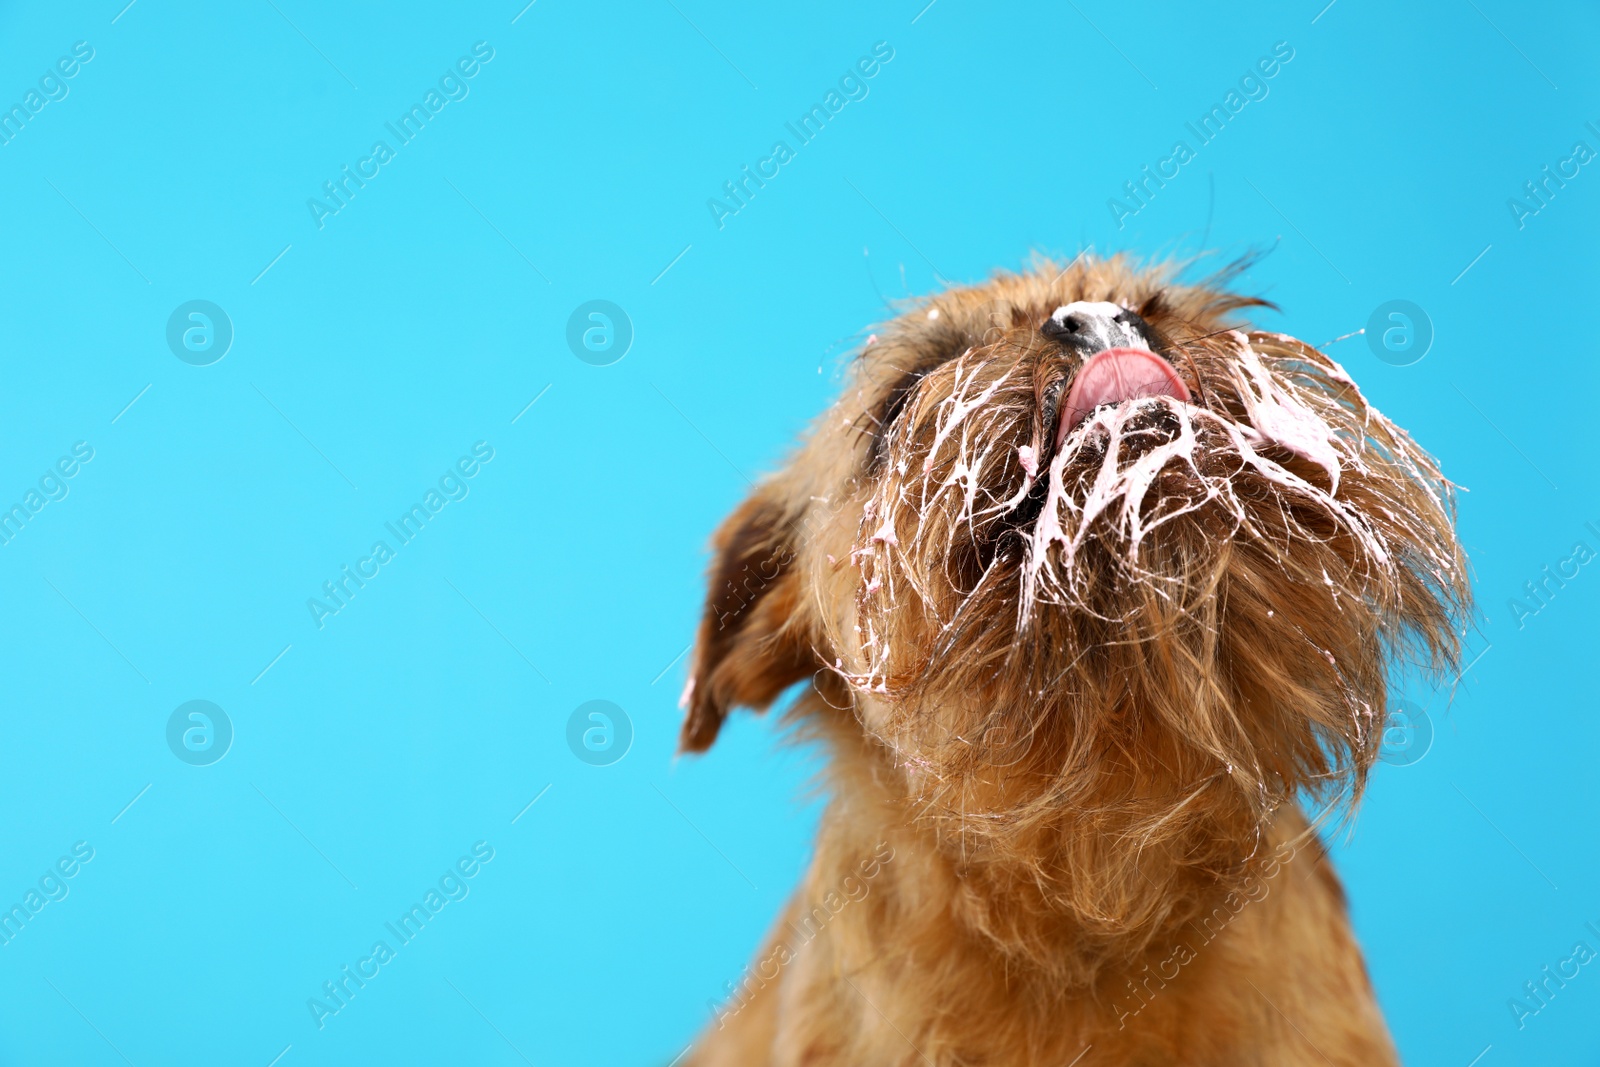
(751, 643)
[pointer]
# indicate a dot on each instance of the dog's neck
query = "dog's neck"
(1059, 898)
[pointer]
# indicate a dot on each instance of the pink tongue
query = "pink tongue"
(1115, 375)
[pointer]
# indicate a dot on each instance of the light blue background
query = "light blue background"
(425, 317)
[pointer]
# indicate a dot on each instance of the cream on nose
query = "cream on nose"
(1094, 326)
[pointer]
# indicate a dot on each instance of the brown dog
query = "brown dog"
(1093, 589)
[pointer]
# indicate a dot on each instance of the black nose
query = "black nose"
(1094, 326)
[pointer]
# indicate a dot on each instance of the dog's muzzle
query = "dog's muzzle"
(1118, 364)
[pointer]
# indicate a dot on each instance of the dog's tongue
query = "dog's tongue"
(1115, 375)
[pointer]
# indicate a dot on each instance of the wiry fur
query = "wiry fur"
(1080, 685)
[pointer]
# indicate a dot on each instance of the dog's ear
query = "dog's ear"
(751, 642)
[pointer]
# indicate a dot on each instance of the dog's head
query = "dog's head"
(1100, 577)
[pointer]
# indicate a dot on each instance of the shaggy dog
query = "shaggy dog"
(1095, 590)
